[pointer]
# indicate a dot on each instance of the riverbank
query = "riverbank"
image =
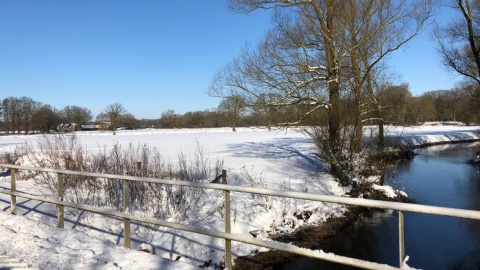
(312, 237)
(254, 157)
(306, 237)
(424, 136)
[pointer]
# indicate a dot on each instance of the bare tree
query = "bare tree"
(46, 118)
(423, 109)
(18, 113)
(168, 119)
(103, 121)
(76, 114)
(395, 99)
(11, 114)
(115, 112)
(471, 93)
(28, 108)
(232, 106)
(319, 56)
(459, 40)
(129, 121)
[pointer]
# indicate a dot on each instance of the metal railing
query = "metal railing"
(227, 235)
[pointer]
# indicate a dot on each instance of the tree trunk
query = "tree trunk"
(334, 138)
(381, 133)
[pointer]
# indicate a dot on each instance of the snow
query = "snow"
(275, 159)
(418, 136)
(405, 266)
(387, 190)
(46, 247)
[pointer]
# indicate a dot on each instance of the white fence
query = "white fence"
(227, 235)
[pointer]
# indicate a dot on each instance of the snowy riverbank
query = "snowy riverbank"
(422, 136)
(279, 159)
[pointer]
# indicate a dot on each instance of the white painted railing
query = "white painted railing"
(400, 207)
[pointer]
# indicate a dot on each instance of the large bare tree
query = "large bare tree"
(319, 56)
(459, 41)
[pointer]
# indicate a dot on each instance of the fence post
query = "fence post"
(126, 221)
(401, 237)
(13, 188)
(139, 168)
(228, 243)
(61, 212)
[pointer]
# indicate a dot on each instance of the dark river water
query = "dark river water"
(439, 176)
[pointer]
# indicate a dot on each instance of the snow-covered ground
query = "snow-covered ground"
(418, 136)
(281, 159)
(43, 246)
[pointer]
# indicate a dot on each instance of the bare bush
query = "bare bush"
(150, 199)
(257, 179)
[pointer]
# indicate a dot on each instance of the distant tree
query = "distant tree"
(147, 123)
(9, 108)
(395, 99)
(424, 108)
(103, 121)
(130, 122)
(46, 118)
(18, 113)
(115, 113)
(195, 119)
(76, 114)
(445, 106)
(233, 106)
(213, 118)
(471, 103)
(456, 104)
(168, 119)
(29, 107)
(2, 119)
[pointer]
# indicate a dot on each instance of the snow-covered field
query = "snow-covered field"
(282, 159)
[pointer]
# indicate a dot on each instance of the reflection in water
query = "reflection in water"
(439, 176)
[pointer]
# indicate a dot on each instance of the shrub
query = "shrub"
(150, 199)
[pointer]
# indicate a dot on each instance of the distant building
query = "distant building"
(96, 126)
(68, 127)
(90, 127)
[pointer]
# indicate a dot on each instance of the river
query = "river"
(439, 176)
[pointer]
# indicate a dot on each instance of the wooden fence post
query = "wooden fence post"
(126, 221)
(13, 188)
(139, 168)
(61, 210)
(228, 243)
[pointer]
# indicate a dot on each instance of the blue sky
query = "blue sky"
(148, 55)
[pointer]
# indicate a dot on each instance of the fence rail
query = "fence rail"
(227, 235)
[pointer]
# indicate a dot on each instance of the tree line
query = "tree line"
(25, 115)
